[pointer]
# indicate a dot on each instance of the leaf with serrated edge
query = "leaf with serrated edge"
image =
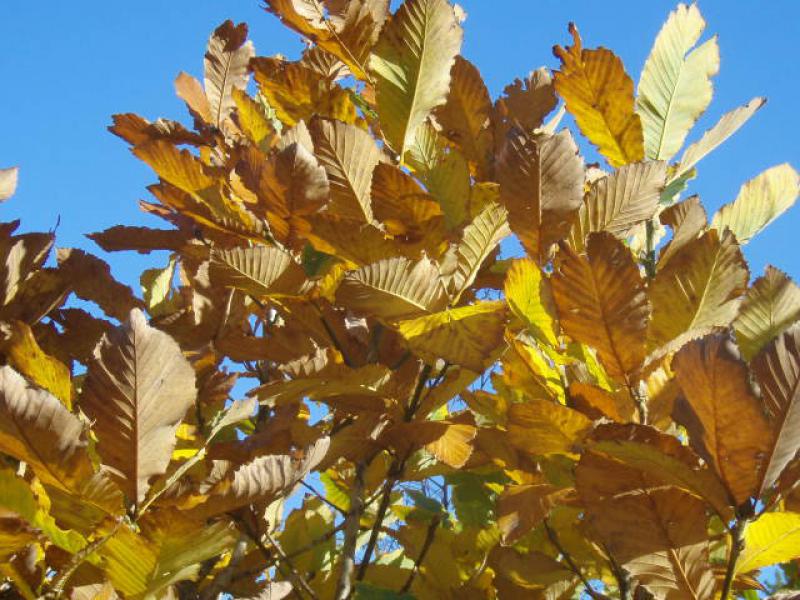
(393, 288)
(601, 301)
(725, 128)
(411, 67)
(700, 287)
(226, 67)
(675, 87)
(626, 198)
(718, 398)
(530, 298)
(138, 388)
(258, 270)
(599, 94)
(760, 201)
(777, 370)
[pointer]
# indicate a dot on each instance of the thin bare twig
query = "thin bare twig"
(426, 545)
(571, 563)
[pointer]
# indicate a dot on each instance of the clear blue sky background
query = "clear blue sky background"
(66, 67)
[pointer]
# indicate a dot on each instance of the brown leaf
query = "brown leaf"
(142, 239)
(19, 256)
(525, 103)
(541, 185)
(520, 508)
(688, 221)
(542, 427)
(91, 280)
(226, 67)
(699, 288)
(137, 390)
(777, 370)
(602, 302)
(37, 428)
(718, 399)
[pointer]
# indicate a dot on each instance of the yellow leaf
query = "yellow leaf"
(675, 87)
(773, 538)
(699, 288)
(411, 66)
(468, 336)
(599, 94)
(24, 354)
(770, 305)
(725, 128)
(530, 298)
(542, 427)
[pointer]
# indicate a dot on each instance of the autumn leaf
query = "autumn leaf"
(771, 539)
(599, 94)
(8, 182)
(604, 288)
(718, 398)
(411, 65)
(542, 427)
(541, 185)
(675, 88)
(134, 371)
(760, 201)
(529, 295)
(226, 68)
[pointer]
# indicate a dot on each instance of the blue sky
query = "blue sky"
(66, 67)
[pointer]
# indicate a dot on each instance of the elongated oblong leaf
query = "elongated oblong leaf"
(137, 390)
(770, 305)
(541, 185)
(226, 67)
(543, 427)
(777, 369)
(624, 199)
(466, 336)
(700, 287)
(726, 127)
(675, 88)
(599, 94)
(349, 156)
(718, 399)
(602, 302)
(257, 270)
(760, 201)
(411, 66)
(530, 298)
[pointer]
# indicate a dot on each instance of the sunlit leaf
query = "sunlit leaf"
(675, 87)
(772, 538)
(760, 201)
(599, 94)
(411, 65)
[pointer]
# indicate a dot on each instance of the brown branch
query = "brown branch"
(323, 499)
(426, 545)
(571, 563)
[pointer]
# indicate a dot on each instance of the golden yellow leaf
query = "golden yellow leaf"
(599, 94)
(22, 352)
(468, 335)
(773, 538)
(530, 298)
(542, 427)
(699, 288)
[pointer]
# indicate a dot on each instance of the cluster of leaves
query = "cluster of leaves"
(613, 413)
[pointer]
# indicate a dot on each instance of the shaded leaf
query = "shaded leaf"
(718, 399)
(137, 390)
